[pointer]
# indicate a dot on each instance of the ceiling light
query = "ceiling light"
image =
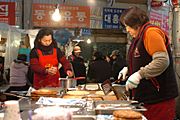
(56, 16)
(88, 41)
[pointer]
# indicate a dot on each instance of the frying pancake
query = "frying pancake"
(44, 92)
(77, 92)
(127, 114)
(102, 93)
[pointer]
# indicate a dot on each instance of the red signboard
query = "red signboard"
(160, 18)
(71, 16)
(7, 12)
(156, 3)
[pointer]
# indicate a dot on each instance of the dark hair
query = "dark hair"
(98, 55)
(115, 53)
(44, 32)
(134, 17)
(22, 57)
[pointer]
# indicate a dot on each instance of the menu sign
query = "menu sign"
(71, 16)
(111, 18)
(7, 12)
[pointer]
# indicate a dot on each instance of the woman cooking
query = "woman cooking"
(44, 60)
(151, 73)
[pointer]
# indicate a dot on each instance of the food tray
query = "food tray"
(107, 107)
(61, 101)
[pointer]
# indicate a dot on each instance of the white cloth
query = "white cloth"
(52, 113)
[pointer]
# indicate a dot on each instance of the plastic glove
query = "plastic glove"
(123, 73)
(133, 81)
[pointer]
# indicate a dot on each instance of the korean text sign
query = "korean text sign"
(71, 16)
(160, 18)
(7, 13)
(111, 18)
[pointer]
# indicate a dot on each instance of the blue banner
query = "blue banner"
(86, 32)
(111, 18)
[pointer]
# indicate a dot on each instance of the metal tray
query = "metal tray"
(107, 107)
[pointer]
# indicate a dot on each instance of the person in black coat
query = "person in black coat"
(117, 62)
(78, 65)
(99, 69)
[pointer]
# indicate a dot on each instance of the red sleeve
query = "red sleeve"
(62, 59)
(34, 63)
(65, 63)
(36, 67)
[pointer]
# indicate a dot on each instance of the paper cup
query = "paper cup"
(1, 116)
(12, 111)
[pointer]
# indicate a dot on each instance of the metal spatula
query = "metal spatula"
(106, 86)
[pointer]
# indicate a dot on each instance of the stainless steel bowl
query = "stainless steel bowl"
(67, 83)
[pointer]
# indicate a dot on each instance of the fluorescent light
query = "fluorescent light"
(78, 40)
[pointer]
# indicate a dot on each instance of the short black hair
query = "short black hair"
(98, 55)
(134, 17)
(22, 57)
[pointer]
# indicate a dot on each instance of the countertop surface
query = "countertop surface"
(28, 105)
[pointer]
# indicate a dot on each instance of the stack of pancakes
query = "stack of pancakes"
(127, 115)
(43, 93)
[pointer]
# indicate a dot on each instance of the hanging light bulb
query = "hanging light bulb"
(56, 16)
(88, 41)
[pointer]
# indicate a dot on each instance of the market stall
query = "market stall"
(83, 102)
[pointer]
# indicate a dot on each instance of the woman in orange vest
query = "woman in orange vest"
(150, 66)
(44, 60)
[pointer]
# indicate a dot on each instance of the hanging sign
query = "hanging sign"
(111, 18)
(86, 32)
(156, 3)
(160, 18)
(7, 12)
(71, 16)
(175, 2)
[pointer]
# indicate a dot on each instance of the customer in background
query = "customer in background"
(118, 62)
(18, 74)
(24, 48)
(150, 66)
(108, 59)
(1, 70)
(78, 64)
(99, 69)
(44, 60)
